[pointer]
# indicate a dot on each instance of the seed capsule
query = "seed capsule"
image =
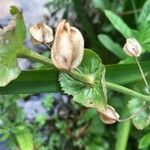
(41, 33)
(132, 47)
(68, 47)
(109, 116)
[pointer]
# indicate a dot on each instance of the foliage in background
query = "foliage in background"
(81, 125)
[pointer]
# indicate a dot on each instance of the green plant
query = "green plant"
(88, 84)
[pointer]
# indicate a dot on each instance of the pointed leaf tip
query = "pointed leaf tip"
(14, 10)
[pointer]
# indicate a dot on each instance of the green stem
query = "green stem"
(29, 54)
(123, 131)
(142, 73)
(127, 91)
(87, 79)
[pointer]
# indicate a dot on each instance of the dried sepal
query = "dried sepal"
(132, 47)
(109, 115)
(68, 47)
(41, 33)
(4, 30)
(10, 26)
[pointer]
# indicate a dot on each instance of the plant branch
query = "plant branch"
(88, 79)
(112, 86)
(29, 54)
(127, 91)
(130, 12)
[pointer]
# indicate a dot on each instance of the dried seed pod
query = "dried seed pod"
(132, 47)
(41, 33)
(109, 116)
(68, 47)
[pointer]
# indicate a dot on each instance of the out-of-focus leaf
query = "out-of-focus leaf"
(34, 81)
(143, 37)
(125, 73)
(144, 141)
(89, 96)
(24, 138)
(100, 4)
(9, 69)
(119, 24)
(11, 39)
(132, 5)
(115, 48)
(145, 13)
(141, 109)
(128, 60)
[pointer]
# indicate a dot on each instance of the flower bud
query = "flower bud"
(132, 47)
(68, 47)
(109, 115)
(41, 33)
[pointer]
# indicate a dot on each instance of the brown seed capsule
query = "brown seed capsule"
(68, 47)
(132, 47)
(109, 116)
(41, 33)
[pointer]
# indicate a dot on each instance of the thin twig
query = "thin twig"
(133, 115)
(142, 73)
(45, 44)
(130, 12)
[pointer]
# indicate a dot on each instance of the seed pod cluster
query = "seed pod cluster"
(68, 45)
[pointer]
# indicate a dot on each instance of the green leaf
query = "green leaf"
(115, 48)
(119, 24)
(11, 40)
(14, 10)
(144, 141)
(141, 111)
(34, 81)
(90, 96)
(100, 4)
(143, 37)
(24, 138)
(20, 30)
(9, 69)
(125, 73)
(145, 13)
